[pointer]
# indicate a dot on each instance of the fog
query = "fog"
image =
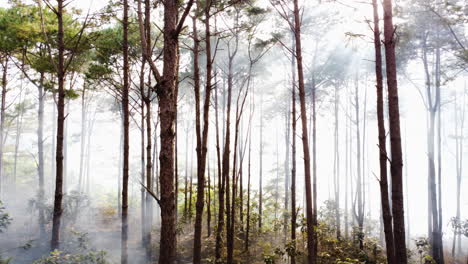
(339, 59)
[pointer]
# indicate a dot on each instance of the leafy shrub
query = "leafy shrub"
(58, 257)
(5, 219)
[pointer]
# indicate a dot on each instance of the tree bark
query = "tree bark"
(57, 215)
(311, 243)
(221, 185)
(2, 118)
(395, 137)
(126, 147)
(293, 161)
(202, 134)
(384, 197)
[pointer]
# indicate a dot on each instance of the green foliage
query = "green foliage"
(5, 261)
(423, 249)
(5, 219)
(459, 226)
(58, 257)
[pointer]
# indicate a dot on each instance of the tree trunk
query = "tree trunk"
(311, 241)
(286, 171)
(19, 125)
(120, 171)
(57, 215)
(260, 187)
(229, 209)
(126, 147)
(293, 161)
(40, 154)
(395, 137)
(166, 90)
(249, 166)
(2, 118)
(336, 167)
(149, 177)
(347, 169)
(359, 213)
(82, 138)
(202, 134)
(221, 185)
(142, 157)
(384, 197)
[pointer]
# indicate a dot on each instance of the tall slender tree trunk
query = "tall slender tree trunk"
(208, 198)
(260, 175)
(57, 215)
(54, 138)
(286, 170)
(202, 133)
(226, 162)
(439, 148)
(149, 176)
(19, 128)
(88, 154)
(147, 100)
(336, 168)
(347, 169)
(293, 160)
(40, 154)
(126, 124)
(120, 171)
(186, 172)
(384, 197)
(82, 138)
(395, 137)
(221, 185)
(359, 213)
(2, 118)
(142, 157)
(311, 237)
(458, 134)
(249, 176)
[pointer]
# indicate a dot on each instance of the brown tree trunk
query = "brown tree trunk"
(221, 186)
(185, 215)
(57, 215)
(202, 134)
(249, 166)
(167, 95)
(384, 197)
(311, 243)
(226, 163)
(395, 137)
(208, 199)
(149, 176)
(126, 118)
(293, 162)
(2, 118)
(142, 156)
